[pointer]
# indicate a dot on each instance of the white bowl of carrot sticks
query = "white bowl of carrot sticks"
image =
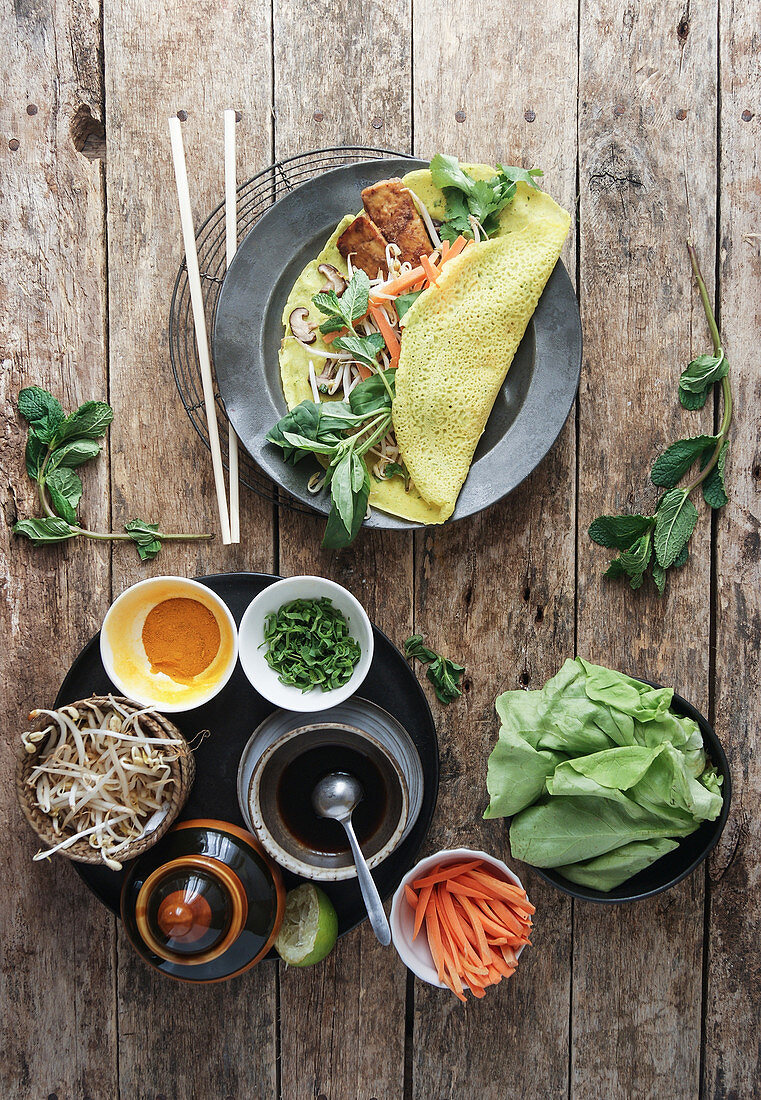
(460, 920)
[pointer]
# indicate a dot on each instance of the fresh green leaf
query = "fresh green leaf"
(608, 871)
(145, 537)
(670, 467)
(372, 395)
(470, 198)
(620, 532)
(682, 557)
(403, 302)
(42, 410)
(303, 420)
(309, 645)
(615, 570)
(74, 452)
(342, 490)
(90, 421)
(344, 311)
(365, 349)
(445, 676)
(47, 530)
(414, 649)
(674, 523)
(337, 535)
(714, 489)
(636, 559)
(703, 372)
(446, 172)
(692, 401)
(65, 489)
(394, 469)
(35, 454)
(659, 577)
(509, 174)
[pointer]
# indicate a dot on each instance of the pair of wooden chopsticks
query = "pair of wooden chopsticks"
(229, 521)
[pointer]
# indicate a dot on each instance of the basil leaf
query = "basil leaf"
(47, 530)
(145, 537)
(65, 489)
(619, 532)
(34, 455)
(404, 301)
(304, 420)
(714, 489)
(314, 446)
(674, 523)
(74, 453)
(365, 349)
(371, 395)
(90, 421)
(670, 467)
(342, 491)
(394, 469)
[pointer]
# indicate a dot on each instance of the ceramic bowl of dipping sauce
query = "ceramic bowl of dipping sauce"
(169, 643)
(253, 647)
(280, 800)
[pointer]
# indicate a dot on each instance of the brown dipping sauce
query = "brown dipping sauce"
(294, 797)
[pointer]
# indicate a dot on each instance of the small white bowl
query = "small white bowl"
(416, 954)
(125, 660)
(251, 636)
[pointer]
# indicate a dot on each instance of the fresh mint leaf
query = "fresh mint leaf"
(692, 401)
(615, 570)
(636, 559)
(619, 532)
(90, 421)
(75, 452)
(344, 311)
(65, 489)
(682, 557)
(659, 578)
(414, 648)
(674, 523)
(714, 489)
(145, 537)
(48, 530)
(445, 676)
(34, 455)
(365, 349)
(670, 467)
(42, 410)
(404, 301)
(703, 372)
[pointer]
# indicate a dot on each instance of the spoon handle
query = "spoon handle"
(370, 894)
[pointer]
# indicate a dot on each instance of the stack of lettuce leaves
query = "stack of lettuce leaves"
(600, 776)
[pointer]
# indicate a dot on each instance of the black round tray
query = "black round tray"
(234, 715)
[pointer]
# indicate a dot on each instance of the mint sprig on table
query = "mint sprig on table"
(470, 200)
(341, 433)
(660, 541)
(56, 445)
(444, 674)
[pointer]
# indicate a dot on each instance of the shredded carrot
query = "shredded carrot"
(456, 247)
(433, 932)
(445, 246)
(392, 343)
(404, 282)
(429, 268)
(411, 896)
(422, 904)
(443, 874)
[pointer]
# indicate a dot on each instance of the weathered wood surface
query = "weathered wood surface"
(657, 999)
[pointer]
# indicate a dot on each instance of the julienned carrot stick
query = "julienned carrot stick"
(442, 874)
(456, 247)
(429, 268)
(378, 314)
(411, 896)
(404, 282)
(423, 899)
(503, 889)
(434, 941)
(445, 246)
(458, 887)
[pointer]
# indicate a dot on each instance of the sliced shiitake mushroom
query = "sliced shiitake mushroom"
(301, 328)
(335, 279)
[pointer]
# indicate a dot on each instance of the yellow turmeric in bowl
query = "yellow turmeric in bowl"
(181, 638)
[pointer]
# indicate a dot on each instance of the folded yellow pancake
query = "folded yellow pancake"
(460, 337)
(458, 342)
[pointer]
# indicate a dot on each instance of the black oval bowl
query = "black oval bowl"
(677, 865)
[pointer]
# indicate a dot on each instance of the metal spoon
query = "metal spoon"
(335, 797)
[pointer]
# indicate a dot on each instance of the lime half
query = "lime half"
(310, 926)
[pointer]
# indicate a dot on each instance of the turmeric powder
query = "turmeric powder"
(181, 638)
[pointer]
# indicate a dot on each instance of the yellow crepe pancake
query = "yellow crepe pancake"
(459, 339)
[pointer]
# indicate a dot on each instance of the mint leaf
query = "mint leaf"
(43, 531)
(703, 372)
(34, 455)
(344, 311)
(615, 570)
(682, 557)
(90, 421)
(365, 349)
(145, 537)
(659, 577)
(74, 453)
(404, 301)
(394, 469)
(670, 467)
(42, 410)
(692, 401)
(674, 523)
(414, 648)
(636, 559)
(714, 489)
(619, 532)
(65, 489)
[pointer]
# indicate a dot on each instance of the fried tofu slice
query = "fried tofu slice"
(366, 244)
(390, 206)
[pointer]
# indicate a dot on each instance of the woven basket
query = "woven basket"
(153, 725)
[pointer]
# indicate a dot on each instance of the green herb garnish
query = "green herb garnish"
(444, 674)
(344, 311)
(480, 200)
(660, 541)
(341, 432)
(55, 446)
(309, 645)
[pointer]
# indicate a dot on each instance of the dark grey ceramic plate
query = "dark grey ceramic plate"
(526, 419)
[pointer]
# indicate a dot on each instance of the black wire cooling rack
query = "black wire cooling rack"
(255, 197)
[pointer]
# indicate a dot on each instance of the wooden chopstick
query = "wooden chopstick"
(199, 320)
(231, 237)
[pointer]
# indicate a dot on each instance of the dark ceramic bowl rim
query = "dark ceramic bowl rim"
(718, 758)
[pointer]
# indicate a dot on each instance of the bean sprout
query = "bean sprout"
(423, 212)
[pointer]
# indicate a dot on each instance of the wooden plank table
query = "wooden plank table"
(645, 118)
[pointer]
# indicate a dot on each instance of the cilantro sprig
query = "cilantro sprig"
(471, 200)
(660, 541)
(56, 445)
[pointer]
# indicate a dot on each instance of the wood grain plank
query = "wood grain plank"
(57, 982)
(647, 173)
(342, 1023)
(733, 1057)
(497, 592)
(186, 58)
